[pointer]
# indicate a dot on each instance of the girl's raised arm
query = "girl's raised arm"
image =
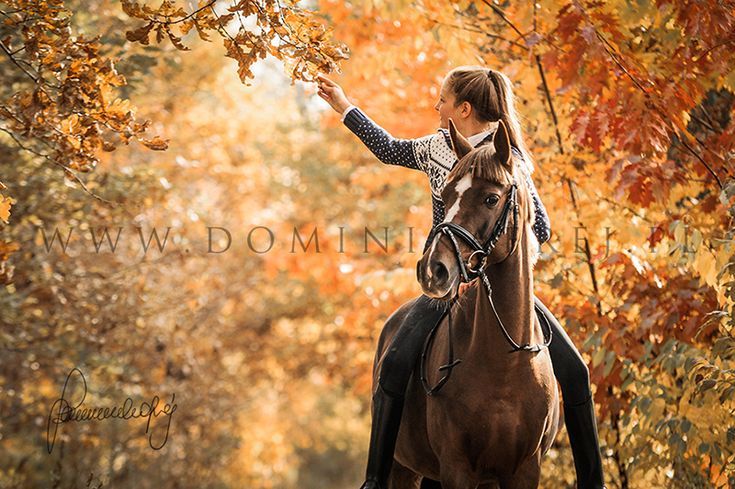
(389, 150)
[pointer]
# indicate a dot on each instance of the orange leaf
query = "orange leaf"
(156, 144)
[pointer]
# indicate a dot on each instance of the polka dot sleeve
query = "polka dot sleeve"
(541, 225)
(386, 148)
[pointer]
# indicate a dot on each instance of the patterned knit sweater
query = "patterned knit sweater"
(434, 156)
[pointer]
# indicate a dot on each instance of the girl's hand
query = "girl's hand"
(332, 93)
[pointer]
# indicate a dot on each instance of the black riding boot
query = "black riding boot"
(383, 435)
(582, 431)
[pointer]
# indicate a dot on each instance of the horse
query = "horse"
(487, 422)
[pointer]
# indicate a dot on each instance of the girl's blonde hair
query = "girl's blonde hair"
(490, 93)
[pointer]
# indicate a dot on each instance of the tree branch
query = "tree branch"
(183, 19)
(505, 19)
(696, 155)
(16, 63)
(551, 104)
(67, 170)
(480, 31)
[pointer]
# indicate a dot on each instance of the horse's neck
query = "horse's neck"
(512, 295)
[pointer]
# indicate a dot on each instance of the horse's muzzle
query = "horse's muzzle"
(436, 276)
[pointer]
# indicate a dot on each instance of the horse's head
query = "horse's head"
(485, 199)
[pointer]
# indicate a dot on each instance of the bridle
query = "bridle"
(483, 250)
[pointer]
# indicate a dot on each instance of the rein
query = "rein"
(468, 273)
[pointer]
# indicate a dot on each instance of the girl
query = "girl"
(475, 98)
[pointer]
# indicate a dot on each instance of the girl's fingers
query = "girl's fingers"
(326, 80)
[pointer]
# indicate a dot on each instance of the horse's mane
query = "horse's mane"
(481, 163)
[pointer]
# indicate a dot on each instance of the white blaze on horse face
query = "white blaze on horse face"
(464, 183)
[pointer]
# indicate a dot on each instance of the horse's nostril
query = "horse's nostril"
(439, 271)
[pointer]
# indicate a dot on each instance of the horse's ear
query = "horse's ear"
(460, 144)
(502, 144)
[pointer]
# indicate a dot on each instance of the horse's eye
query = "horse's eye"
(491, 200)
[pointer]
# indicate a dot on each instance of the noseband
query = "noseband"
(469, 273)
(485, 249)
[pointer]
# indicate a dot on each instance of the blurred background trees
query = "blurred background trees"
(627, 108)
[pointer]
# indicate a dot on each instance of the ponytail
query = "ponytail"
(490, 93)
(509, 116)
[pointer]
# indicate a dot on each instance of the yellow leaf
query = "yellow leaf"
(705, 264)
(5, 203)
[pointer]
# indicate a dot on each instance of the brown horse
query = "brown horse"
(498, 413)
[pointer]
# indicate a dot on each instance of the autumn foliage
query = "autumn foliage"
(628, 111)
